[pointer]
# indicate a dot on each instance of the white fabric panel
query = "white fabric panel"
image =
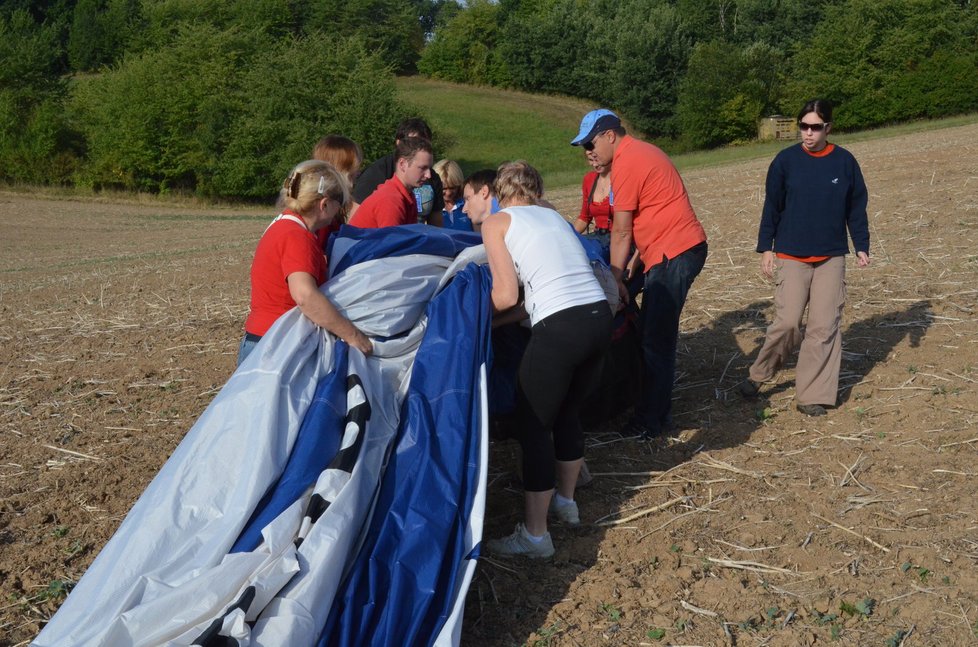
(165, 576)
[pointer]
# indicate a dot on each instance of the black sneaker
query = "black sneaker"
(640, 431)
(749, 388)
(812, 409)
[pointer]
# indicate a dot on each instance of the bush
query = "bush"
(390, 27)
(652, 51)
(294, 94)
(725, 90)
(906, 60)
(463, 50)
(34, 136)
(226, 113)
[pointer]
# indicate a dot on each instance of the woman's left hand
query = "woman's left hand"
(862, 259)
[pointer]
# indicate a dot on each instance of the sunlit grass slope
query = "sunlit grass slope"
(480, 127)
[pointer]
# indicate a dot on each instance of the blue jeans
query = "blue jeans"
(244, 349)
(663, 297)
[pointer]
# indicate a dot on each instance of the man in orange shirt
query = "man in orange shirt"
(652, 208)
(393, 203)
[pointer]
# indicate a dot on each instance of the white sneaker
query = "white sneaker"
(519, 543)
(565, 512)
(584, 477)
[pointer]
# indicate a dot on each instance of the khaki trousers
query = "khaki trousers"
(822, 288)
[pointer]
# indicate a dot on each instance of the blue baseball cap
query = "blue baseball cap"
(594, 122)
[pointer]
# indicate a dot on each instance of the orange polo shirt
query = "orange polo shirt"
(645, 182)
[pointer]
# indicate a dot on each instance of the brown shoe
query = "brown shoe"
(812, 409)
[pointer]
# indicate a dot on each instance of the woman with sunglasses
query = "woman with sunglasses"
(289, 265)
(815, 195)
(595, 200)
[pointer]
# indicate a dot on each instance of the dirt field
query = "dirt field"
(753, 526)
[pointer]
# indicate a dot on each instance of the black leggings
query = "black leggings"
(560, 368)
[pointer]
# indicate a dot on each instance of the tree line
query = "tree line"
(221, 97)
(215, 97)
(701, 72)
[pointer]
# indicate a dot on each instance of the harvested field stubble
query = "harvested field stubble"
(754, 525)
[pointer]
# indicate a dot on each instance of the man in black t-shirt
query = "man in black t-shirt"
(428, 197)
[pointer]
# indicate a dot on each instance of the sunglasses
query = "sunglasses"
(813, 127)
(588, 146)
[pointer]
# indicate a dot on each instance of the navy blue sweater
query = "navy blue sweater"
(810, 203)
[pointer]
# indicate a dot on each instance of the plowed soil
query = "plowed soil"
(753, 525)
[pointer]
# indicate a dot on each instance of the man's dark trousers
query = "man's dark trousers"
(663, 297)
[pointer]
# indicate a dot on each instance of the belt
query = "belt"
(252, 337)
(602, 230)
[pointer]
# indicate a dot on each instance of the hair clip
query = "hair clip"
(322, 185)
(292, 184)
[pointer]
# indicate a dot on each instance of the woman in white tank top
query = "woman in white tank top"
(532, 246)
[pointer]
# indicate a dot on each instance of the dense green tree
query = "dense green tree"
(390, 27)
(650, 58)
(156, 122)
(627, 55)
(434, 13)
(100, 32)
(778, 23)
(228, 112)
(542, 46)
(464, 49)
(119, 22)
(164, 20)
(906, 60)
(725, 90)
(35, 142)
(49, 12)
(85, 39)
(298, 91)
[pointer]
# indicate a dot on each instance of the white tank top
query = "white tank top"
(550, 262)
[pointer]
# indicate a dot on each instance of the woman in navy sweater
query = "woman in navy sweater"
(815, 194)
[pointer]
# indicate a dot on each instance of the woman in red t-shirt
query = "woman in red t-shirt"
(595, 199)
(289, 265)
(346, 156)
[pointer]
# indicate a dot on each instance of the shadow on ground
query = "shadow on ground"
(512, 601)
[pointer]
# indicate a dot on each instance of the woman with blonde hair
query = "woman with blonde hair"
(289, 265)
(533, 245)
(452, 181)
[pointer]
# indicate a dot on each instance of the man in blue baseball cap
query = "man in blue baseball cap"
(651, 208)
(594, 122)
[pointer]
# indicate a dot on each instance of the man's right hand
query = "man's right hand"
(623, 297)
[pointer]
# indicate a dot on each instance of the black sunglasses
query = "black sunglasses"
(813, 127)
(589, 146)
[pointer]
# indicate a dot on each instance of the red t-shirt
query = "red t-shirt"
(285, 247)
(600, 212)
(391, 204)
(322, 235)
(645, 182)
